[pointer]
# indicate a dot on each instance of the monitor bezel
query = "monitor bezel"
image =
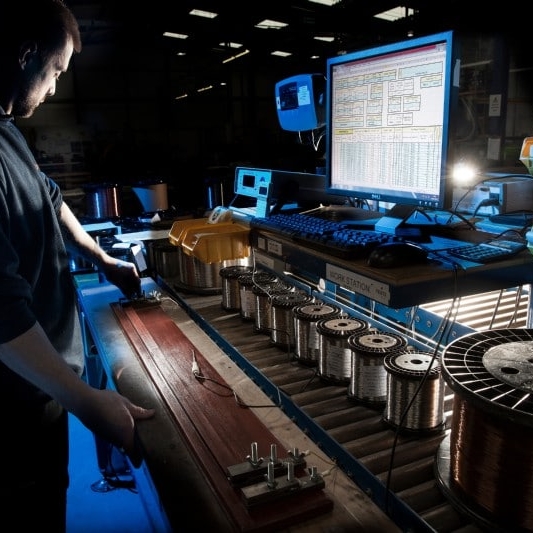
(452, 67)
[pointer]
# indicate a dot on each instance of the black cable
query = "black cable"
(204, 379)
(485, 203)
(446, 320)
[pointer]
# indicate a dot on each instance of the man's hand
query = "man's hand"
(124, 275)
(112, 417)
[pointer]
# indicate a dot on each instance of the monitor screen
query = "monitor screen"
(388, 122)
(300, 102)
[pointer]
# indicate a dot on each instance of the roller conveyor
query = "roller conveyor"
(353, 435)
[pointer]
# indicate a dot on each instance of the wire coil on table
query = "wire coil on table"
(368, 383)
(246, 284)
(282, 332)
(335, 356)
(485, 465)
(415, 392)
(263, 303)
(231, 300)
(307, 339)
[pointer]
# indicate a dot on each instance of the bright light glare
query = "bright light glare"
(464, 173)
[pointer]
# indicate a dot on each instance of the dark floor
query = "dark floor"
(117, 510)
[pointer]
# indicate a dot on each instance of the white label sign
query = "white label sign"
(360, 284)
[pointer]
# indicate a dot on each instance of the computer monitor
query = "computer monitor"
(300, 102)
(388, 122)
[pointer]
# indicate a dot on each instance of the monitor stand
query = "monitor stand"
(394, 222)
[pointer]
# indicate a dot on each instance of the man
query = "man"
(41, 360)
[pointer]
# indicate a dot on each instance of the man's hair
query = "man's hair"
(49, 23)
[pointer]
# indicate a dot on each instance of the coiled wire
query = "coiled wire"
(368, 382)
(246, 284)
(335, 356)
(263, 303)
(415, 392)
(282, 331)
(307, 339)
(231, 298)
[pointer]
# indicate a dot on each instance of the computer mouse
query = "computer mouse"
(396, 254)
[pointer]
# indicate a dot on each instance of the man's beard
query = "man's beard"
(24, 106)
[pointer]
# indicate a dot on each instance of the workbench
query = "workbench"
(172, 478)
(178, 494)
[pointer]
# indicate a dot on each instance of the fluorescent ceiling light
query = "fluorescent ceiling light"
(326, 2)
(268, 24)
(236, 56)
(396, 13)
(326, 39)
(230, 45)
(202, 89)
(202, 13)
(175, 35)
(181, 54)
(280, 53)
(181, 96)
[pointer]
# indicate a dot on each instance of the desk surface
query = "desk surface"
(394, 287)
(184, 493)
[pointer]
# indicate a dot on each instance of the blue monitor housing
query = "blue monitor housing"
(389, 112)
(300, 102)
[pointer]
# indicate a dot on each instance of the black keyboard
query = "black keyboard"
(488, 251)
(327, 236)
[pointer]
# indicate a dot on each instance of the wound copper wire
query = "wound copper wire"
(485, 464)
(492, 463)
(415, 392)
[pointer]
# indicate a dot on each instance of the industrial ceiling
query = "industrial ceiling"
(351, 24)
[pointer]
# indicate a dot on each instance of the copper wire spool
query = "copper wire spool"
(307, 339)
(485, 465)
(231, 299)
(335, 356)
(246, 283)
(263, 303)
(368, 381)
(282, 330)
(415, 392)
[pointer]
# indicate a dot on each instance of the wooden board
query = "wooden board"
(218, 430)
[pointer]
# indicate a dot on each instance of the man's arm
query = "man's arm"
(105, 412)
